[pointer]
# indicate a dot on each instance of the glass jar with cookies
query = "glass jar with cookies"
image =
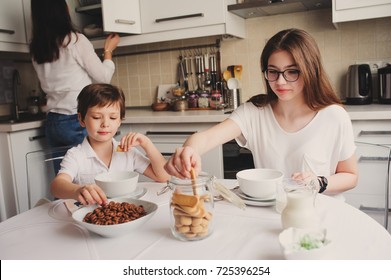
(192, 208)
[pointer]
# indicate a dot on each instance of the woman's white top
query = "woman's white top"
(317, 147)
(82, 159)
(78, 65)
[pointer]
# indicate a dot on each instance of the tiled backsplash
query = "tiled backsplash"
(369, 40)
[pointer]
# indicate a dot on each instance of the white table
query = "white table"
(47, 232)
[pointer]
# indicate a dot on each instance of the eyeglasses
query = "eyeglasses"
(290, 75)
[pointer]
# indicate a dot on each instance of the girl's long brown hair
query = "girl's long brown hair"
(318, 92)
(51, 25)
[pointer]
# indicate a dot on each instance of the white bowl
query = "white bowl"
(259, 182)
(118, 229)
(304, 244)
(117, 183)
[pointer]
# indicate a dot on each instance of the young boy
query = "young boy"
(101, 108)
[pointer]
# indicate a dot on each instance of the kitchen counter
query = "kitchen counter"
(369, 112)
(144, 116)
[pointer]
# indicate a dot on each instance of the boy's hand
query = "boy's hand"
(132, 139)
(91, 194)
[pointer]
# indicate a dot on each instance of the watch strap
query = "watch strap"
(323, 182)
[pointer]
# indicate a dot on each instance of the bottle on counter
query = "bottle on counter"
(216, 100)
(192, 99)
(203, 99)
(34, 102)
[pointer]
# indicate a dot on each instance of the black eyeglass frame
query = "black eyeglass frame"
(283, 74)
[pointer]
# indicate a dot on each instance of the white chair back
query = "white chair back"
(372, 193)
(42, 166)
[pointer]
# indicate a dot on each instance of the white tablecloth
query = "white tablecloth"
(47, 232)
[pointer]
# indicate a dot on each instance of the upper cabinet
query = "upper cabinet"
(121, 16)
(180, 19)
(12, 26)
(157, 17)
(350, 10)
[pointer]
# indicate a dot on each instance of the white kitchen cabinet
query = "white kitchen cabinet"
(182, 19)
(12, 26)
(121, 16)
(182, 14)
(15, 146)
(168, 137)
(350, 10)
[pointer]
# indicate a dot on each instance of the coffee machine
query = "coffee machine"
(359, 85)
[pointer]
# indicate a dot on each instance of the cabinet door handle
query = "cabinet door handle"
(374, 132)
(33, 138)
(167, 154)
(8, 31)
(153, 133)
(178, 17)
(364, 158)
(125, 21)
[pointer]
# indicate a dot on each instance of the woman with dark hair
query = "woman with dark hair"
(298, 127)
(65, 62)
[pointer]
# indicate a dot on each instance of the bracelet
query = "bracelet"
(105, 51)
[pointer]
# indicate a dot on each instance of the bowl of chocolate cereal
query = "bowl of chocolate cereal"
(116, 218)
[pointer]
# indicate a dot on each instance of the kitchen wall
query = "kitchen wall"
(351, 42)
(139, 75)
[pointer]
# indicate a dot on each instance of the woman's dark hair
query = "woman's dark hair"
(100, 95)
(318, 92)
(51, 24)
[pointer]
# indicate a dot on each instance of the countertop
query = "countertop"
(144, 116)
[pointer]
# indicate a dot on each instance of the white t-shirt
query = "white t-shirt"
(318, 147)
(77, 66)
(82, 159)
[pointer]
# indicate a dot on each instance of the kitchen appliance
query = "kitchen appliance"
(359, 85)
(259, 8)
(384, 78)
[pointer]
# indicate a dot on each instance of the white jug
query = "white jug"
(299, 211)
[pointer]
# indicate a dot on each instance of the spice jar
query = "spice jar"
(216, 99)
(203, 99)
(192, 99)
(192, 208)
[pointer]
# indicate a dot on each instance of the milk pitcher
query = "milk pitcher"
(299, 211)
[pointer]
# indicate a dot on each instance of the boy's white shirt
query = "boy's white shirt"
(82, 159)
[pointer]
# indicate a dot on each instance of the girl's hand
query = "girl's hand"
(91, 194)
(307, 177)
(182, 161)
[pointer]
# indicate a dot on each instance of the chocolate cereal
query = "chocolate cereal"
(115, 213)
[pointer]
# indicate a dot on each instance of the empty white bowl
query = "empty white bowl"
(117, 183)
(118, 229)
(304, 244)
(259, 182)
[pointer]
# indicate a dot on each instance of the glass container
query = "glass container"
(192, 99)
(299, 211)
(192, 208)
(203, 99)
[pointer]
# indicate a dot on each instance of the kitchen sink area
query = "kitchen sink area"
(24, 118)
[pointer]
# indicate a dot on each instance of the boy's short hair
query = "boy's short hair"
(100, 95)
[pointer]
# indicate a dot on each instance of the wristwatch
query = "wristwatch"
(322, 183)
